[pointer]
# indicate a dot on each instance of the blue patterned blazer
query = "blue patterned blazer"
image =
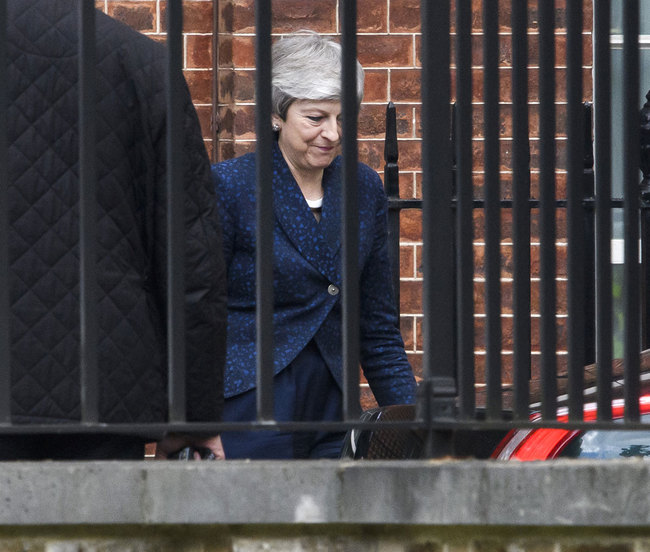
(307, 277)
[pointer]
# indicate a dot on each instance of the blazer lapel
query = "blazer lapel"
(316, 242)
(331, 216)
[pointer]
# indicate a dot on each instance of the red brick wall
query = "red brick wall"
(389, 48)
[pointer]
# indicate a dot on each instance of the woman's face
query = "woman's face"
(311, 134)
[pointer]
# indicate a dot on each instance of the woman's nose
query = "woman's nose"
(331, 129)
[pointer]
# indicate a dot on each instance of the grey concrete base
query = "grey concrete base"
(486, 493)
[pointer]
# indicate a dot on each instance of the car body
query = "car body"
(548, 443)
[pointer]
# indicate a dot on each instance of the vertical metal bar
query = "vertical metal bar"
(521, 209)
(216, 88)
(264, 213)
(631, 279)
(575, 208)
(439, 386)
(175, 215)
(603, 176)
(391, 185)
(492, 207)
(5, 281)
(349, 211)
(589, 230)
(464, 210)
(88, 286)
(547, 215)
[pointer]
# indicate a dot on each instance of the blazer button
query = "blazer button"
(332, 289)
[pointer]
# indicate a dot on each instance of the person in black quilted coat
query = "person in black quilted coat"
(43, 137)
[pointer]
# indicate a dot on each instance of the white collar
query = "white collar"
(315, 203)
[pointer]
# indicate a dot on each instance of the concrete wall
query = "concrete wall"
(417, 506)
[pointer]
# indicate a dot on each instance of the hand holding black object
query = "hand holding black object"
(191, 452)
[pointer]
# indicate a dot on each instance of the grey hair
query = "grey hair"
(307, 66)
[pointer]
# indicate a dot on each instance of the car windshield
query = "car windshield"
(609, 443)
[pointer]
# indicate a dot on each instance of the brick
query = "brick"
(405, 85)
(560, 260)
(198, 16)
(210, 147)
(232, 149)
(226, 85)
(226, 150)
(225, 52)
(372, 16)
(372, 121)
(237, 16)
(385, 51)
(419, 271)
(295, 15)
(243, 86)
(244, 121)
(204, 113)
(139, 15)
(226, 123)
(407, 184)
(375, 85)
(405, 16)
(411, 225)
(404, 115)
(200, 85)
(407, 261)
(411, 297)
(199, 51)
(372, 154)
(410, 155)
(237, 51)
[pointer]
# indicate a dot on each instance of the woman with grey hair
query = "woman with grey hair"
(306, 180)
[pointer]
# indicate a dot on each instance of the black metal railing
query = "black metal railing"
(447, 395)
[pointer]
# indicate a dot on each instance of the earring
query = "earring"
(275, 127)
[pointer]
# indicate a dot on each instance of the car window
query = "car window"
(609, 443)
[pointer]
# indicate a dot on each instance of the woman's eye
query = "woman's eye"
(315, 118)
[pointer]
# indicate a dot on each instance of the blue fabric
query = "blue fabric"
(303, 391)
(307, 261)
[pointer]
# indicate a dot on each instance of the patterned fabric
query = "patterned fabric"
(131, 247)
(307, 277)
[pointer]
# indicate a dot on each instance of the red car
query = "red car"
(546, 443)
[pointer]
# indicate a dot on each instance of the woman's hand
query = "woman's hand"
(174, 442)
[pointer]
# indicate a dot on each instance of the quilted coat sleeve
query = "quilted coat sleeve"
(205, 274)
(383, 357)
(205, 280)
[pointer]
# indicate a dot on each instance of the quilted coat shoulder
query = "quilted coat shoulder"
(131, 243)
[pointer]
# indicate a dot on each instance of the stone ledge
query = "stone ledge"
(441, 493)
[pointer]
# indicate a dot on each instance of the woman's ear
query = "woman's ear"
(276, 122)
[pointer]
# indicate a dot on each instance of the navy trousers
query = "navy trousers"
(304, 391)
